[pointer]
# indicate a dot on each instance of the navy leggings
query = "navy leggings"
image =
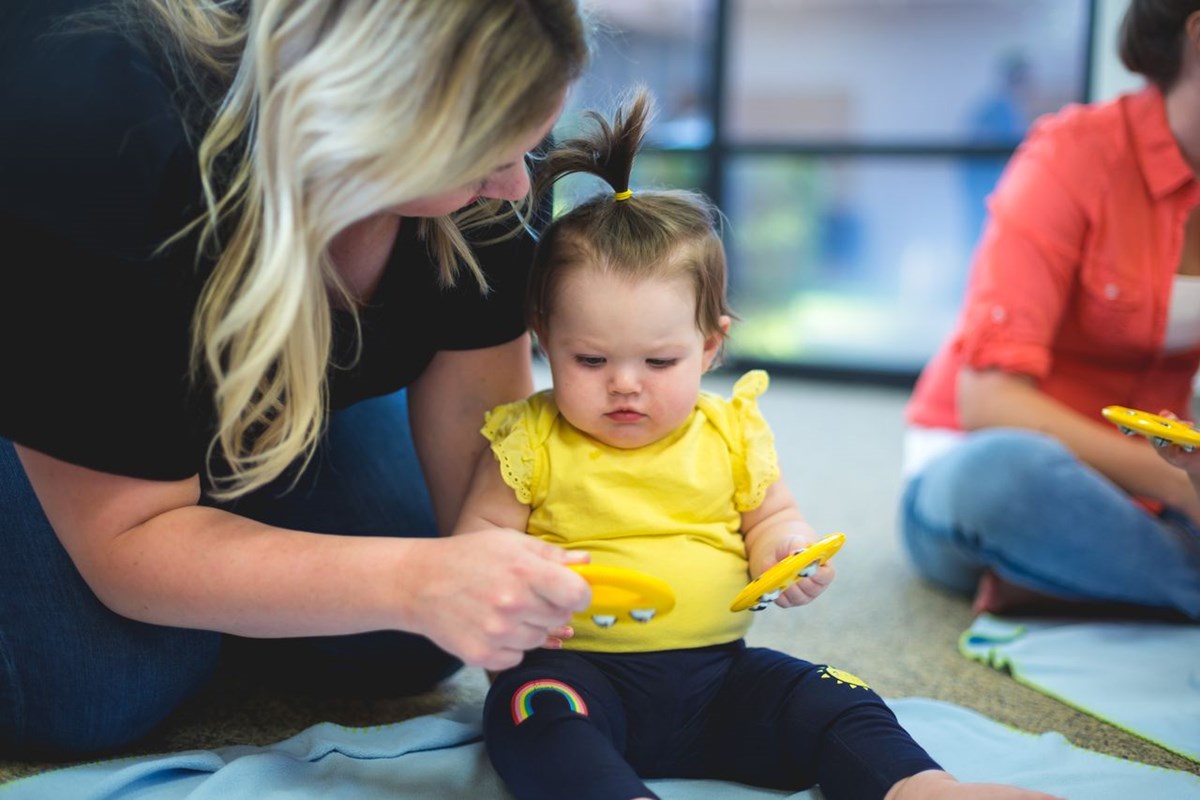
(77, 679)
(594, 725)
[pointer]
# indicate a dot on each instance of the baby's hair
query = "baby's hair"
(646, 234)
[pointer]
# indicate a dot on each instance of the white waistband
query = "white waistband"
(922, 445)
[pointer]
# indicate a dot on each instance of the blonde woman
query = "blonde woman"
(243, 228)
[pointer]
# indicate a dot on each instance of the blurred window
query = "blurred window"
(851, 144)
(666, 45)
(844, 262)
(891, 71)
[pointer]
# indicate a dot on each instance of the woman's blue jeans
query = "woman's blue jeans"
(75, 678)
(1021, 505)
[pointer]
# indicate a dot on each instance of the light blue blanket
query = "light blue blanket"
(1143, 677)
(441, 757)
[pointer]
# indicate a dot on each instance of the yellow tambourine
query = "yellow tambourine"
(1159, 430)
(617, 592)
(766, 587)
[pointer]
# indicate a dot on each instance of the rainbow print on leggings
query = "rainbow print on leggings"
(522, 700)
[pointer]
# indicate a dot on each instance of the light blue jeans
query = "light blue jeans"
(1020, 504)
(77, 679)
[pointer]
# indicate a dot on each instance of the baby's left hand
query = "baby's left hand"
(805, 590)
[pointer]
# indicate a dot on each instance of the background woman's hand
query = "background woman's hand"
(488, 597)
(1176, 455)
(1187, 500)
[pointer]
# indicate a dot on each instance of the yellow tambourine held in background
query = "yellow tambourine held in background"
(1159, 430)
(766, 587)
(618, 592)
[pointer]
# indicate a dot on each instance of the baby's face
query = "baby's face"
(626, 357)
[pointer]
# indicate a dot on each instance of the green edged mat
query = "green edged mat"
(1143, 677)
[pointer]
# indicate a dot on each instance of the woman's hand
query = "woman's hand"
(488, 597)
(1187, 501)
(1176, 455)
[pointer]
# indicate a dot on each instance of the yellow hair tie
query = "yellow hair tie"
(625, 195)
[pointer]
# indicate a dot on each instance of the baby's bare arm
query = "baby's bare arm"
(491, 504)
(775, 530)
(492, 512)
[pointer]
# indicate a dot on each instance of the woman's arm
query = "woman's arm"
(775, 530)
(994, 398)
(446, 408)
(151, 554)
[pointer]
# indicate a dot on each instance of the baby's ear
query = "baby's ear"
(712, 345)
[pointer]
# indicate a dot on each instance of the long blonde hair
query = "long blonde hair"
(322, 113)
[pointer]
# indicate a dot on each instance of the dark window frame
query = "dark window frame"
(720, 151)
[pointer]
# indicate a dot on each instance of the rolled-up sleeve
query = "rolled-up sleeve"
(1027, 262)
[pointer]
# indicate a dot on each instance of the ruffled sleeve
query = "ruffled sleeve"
(517, 432)
(759, 465)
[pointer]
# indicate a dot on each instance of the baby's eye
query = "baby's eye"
(662, 363)
(590, 361)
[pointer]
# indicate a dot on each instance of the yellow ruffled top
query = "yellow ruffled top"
(671, 509)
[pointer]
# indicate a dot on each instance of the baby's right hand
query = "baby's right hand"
(488, 597)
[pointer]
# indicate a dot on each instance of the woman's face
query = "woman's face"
(509, 180)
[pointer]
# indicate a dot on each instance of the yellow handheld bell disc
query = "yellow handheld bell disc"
(1159, 430)
(619, 592)
(766, 587)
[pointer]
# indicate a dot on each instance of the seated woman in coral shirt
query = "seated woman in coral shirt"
(1085, 292)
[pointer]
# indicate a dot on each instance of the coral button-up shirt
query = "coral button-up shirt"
(1072, 279)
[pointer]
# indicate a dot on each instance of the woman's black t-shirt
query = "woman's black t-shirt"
(97, 170)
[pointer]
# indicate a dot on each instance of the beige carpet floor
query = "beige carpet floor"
(840, 451)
